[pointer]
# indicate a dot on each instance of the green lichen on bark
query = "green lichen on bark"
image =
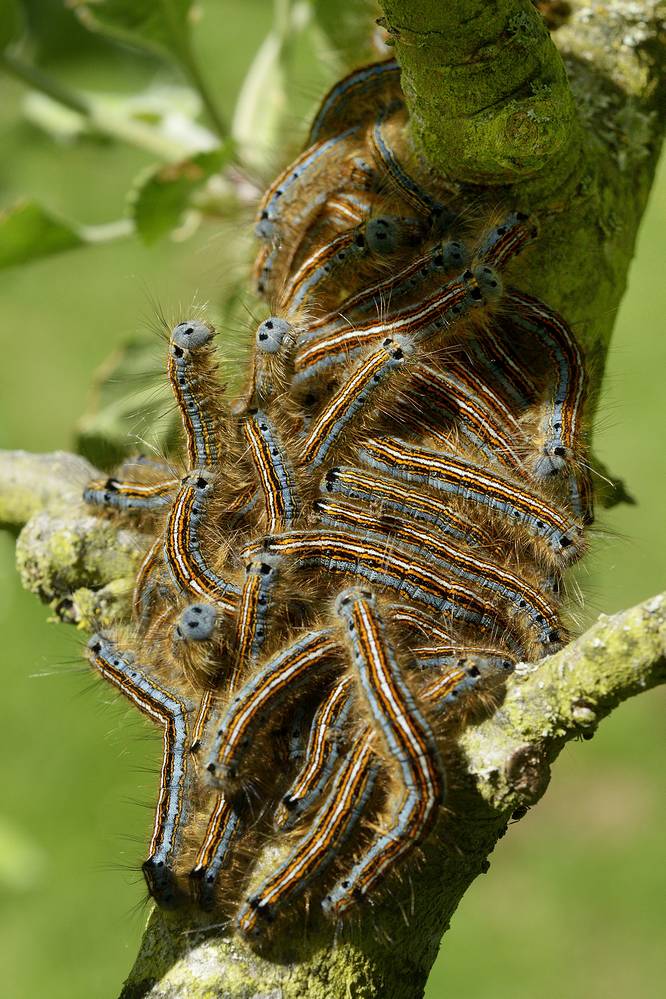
(486, 86)
(79, 564)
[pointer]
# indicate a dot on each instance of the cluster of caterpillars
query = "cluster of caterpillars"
(365, 542)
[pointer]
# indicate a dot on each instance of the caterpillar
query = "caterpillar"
(364, 544)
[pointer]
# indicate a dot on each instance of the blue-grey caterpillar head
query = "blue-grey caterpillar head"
(200, 479)
(452, 256)
(161, 882)
(272, 333)
(552, 460)
(265, 566)
(346, 599)
(386, 234)
(191, 334)
(265, 229)
(197, 623)
(489, 282)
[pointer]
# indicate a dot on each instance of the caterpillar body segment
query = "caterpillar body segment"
(130, 496)
(422, 321)
(506, 240)
(383, 493)
(321, 755)
(224, 827)
(396, 570)
(562, 426)
(274, 472)
(540, 617)
(396, 175)
(354, 98)
(192, 370)
(473, 408)
(308, 657)
(320, 844)
(167, 709)
(379, 366)
(411, 744)
(255, 606)
(183, 556)
(562, 534)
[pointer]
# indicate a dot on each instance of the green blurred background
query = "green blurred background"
(573, 905)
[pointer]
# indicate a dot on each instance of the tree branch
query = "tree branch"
(487, 90)
(79, 564)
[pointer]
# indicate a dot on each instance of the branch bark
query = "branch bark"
(491, 109)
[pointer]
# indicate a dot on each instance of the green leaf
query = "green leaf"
(348, 28)
(29, 231)
(162, 195)
(158, 25)
(11, 22)
(130, 382)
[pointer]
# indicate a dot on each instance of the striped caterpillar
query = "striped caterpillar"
(361, 550)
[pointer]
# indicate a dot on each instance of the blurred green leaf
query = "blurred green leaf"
(11, 22)
(28, 231)
(348, 28)
(265, 110)
(262, 104)
(162, 195)
(130, 382)
(158, 25)
(22, 862)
